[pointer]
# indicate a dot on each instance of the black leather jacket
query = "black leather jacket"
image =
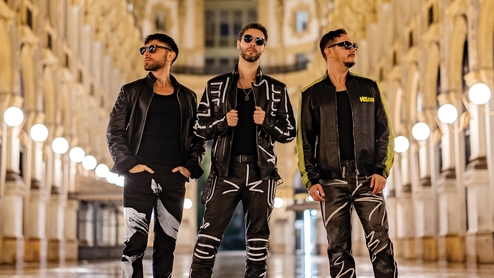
(128, 117)
(318, 143)
(220, 96)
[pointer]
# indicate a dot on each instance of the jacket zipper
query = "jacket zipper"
(353, 132)
(254, 93)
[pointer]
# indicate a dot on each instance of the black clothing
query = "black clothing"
(162, 145)
(244, 134)
(163, 192)
(340, 197)
(324, 128)
(345, 126)
(141, 125)
(128, 118)
(257, 196)
(220, 96)
(237, 176)
(318, 142)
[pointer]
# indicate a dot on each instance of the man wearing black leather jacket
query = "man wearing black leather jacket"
(151, 140)
(244, 112)
(345, 149)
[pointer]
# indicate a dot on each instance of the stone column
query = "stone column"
(35, 224)
(425, 203)
(451, 239)
(55, 230)
(187, 233)
(405, 228)
(479, 238)
(12, 197)
(35, 201)
(85, 216)
(70, 230)
(281, 223)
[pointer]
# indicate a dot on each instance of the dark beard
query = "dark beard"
(156, 65)
(250, 58)
(349, 64)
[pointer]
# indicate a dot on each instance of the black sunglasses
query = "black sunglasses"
(152, 48)
(259, 41)
(346, 44)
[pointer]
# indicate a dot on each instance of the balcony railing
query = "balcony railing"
(211, 70)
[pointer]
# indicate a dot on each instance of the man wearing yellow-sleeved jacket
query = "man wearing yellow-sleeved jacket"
(345, 148)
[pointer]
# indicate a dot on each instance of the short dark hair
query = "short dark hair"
(253, 25)
(164, 39)
(329, 38)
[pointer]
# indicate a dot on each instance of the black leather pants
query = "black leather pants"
(257, 196)
(341, 195)
(164, 193)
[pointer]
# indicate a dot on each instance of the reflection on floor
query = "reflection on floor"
(231, 265)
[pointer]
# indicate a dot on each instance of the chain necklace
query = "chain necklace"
(245, 92)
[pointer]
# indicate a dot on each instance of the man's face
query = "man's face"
(251, 45)
(155, 61)
(342, 54)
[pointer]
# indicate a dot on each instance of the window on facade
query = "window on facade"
(439, 144)
(395, 58)
(301, 61)
(29, 18)
(410, 39)
(302, 17)
(49, 42)
(237, 22)
(465, 69)
(224, 61)
(159, 21)
(430, 15)
(210, 32)
(67, 61)
(209, 62)
(224, 28)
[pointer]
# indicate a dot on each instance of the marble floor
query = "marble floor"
(230, 265)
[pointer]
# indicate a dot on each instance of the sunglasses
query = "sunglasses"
(346, 44)
(152, 48)
(259, 41)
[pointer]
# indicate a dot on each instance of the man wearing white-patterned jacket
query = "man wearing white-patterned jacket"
(244, 112)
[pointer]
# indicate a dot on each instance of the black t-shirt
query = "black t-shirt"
(161, 137)
(345, 126)
(244, 134)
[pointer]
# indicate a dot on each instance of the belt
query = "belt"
(243, 158)
(347, 168)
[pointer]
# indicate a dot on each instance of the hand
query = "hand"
(378, 182)
(316, 192)
(232, 118)
(182, 170)
(259, 115)
(141, 168)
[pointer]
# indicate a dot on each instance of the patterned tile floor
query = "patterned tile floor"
(231, 265)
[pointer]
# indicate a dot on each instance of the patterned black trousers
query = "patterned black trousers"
(164, 193)
(340, 197)
(257, 197)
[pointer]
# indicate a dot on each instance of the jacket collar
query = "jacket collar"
(258, 75)
(151, 79)
(327, 81)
